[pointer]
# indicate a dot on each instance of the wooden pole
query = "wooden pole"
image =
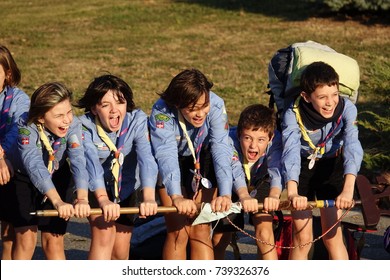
(284, 205)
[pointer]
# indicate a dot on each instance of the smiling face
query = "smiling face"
(58, 119)
(253, 143)
(324, 100)
(110, 111)
(196, 115)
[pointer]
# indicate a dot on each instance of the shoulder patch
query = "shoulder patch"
(25, 140)
(224, 110)
(162, 117)
(24, 131)
(74, 141)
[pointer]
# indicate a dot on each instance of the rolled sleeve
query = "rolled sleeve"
(147, 163)
(291, 156)
(221, 150)
(162, 134)
(353, 151)
(76, 156)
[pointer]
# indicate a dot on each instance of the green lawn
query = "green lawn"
(231, 41)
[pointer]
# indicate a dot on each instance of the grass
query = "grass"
(231, 41)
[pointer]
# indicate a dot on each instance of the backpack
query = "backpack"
(287, 64)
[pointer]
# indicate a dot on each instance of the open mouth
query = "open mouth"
(198, 121)
(114, 121)
(63, 129)
(252, 155)
(328, 111)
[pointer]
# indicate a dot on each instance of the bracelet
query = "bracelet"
(99, 196)
(77, 200)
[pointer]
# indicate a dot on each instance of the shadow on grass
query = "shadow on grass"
(289, 10)
(297, 10)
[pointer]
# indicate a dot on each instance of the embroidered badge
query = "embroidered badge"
(159, 124)
(162, 118)
(25, 140)
(224, 115)
(24, 131)
(101, 146)
(74, 141)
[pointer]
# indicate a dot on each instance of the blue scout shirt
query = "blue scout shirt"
(169, 142)
(18, 110)
(32, 159)
(139, 166)
(346, 136)
(272, 159)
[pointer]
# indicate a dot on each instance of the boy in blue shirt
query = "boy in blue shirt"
(259, 149)
(190, 134)
(321, 157)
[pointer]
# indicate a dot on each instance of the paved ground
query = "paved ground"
(78, 240)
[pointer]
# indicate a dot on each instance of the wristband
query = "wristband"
(99, 196)
(77, 200)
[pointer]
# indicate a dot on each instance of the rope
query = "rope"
(297, 246)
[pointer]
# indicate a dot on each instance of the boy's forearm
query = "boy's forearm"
(274, 192)
(292, 188)
(149, 193)
(242, 192)
(349, 183)
(82, 194)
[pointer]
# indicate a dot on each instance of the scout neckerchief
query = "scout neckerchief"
(8, 96)
(117, 162)
(320, 148)
(52, 149)
(195, 153)
(252, 169)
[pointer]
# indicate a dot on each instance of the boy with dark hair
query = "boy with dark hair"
(190, 139)
(258, 148)
(321, 157)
